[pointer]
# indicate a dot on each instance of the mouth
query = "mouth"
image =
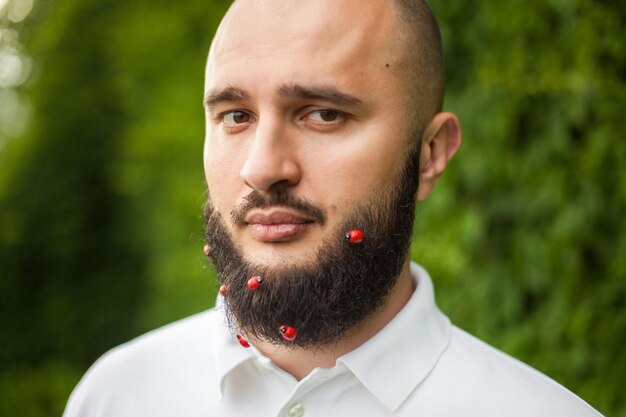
(277, 226)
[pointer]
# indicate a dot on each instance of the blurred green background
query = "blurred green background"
(101, 185)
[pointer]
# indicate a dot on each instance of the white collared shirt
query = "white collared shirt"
(418, 365)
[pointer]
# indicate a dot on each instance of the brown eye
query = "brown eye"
(236, 117)
(325, 116)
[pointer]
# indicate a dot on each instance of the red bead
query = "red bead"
(223, 289)
(255, 282)
(206, 250)
(354, 236)
(243, 342)
(288, 332)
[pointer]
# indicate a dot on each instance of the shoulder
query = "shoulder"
(185, 340)
(486, 379)
(147, 368)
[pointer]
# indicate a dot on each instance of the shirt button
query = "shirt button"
(296, 410)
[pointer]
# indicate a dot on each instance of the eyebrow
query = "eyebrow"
(325, 93)
(225, 95)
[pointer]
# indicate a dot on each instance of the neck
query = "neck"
(300, 362)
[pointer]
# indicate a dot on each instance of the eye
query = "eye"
(326, 116)
(235, 118)
(324, 120)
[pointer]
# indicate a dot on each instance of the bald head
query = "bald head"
(426, 69)
(342, 39)
(422, 65)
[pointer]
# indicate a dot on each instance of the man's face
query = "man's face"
(308, 137)
(305, 97)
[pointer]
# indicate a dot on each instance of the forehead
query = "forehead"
(304, 41)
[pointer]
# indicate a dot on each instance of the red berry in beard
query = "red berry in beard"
(354, 236)
(243, 342)
(223, 289)
(287, 332)
(255, 282)
(206, 250)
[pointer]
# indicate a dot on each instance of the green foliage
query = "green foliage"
(37, 392)
(63, 236)
(100, 228)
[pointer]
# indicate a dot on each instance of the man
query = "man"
(324, 126)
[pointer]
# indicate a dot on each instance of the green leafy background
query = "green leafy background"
(100, 195)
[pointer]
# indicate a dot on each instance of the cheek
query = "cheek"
(222, 177)
(355, 170)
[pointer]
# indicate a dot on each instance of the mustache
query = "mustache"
(277, 198)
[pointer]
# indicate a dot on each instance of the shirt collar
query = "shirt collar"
(418, 335)
(228, 353)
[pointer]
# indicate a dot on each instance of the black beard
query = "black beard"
(345, 284)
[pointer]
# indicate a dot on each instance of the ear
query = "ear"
(441, 140)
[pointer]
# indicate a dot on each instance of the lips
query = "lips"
(277, 226)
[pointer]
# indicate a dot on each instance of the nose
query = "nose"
(271, 161)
